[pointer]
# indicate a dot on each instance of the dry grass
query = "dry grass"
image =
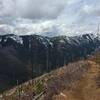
(84, 89)
(65, 77)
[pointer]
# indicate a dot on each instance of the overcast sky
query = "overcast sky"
(49, 17)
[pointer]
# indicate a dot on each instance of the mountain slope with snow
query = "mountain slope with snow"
(32, 55)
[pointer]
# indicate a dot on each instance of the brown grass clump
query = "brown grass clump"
(65, 78)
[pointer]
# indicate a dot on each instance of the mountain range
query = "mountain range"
(28, 56)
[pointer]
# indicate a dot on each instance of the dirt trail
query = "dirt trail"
(84, 89)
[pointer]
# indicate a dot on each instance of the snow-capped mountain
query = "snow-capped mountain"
(17, 53)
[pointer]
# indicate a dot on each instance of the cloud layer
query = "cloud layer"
(49, 17)
(34, 9)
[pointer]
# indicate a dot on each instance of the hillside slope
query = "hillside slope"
(76, 81)
(51, 83)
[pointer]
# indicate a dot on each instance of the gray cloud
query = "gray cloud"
(49, 16)
(34, 9)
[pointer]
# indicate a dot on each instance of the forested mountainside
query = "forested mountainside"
(25, 57)
(79, 80)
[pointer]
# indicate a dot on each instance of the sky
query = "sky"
(49, 17)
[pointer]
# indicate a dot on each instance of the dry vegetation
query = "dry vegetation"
(76, 81)
(87, 88)
(84, 89)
